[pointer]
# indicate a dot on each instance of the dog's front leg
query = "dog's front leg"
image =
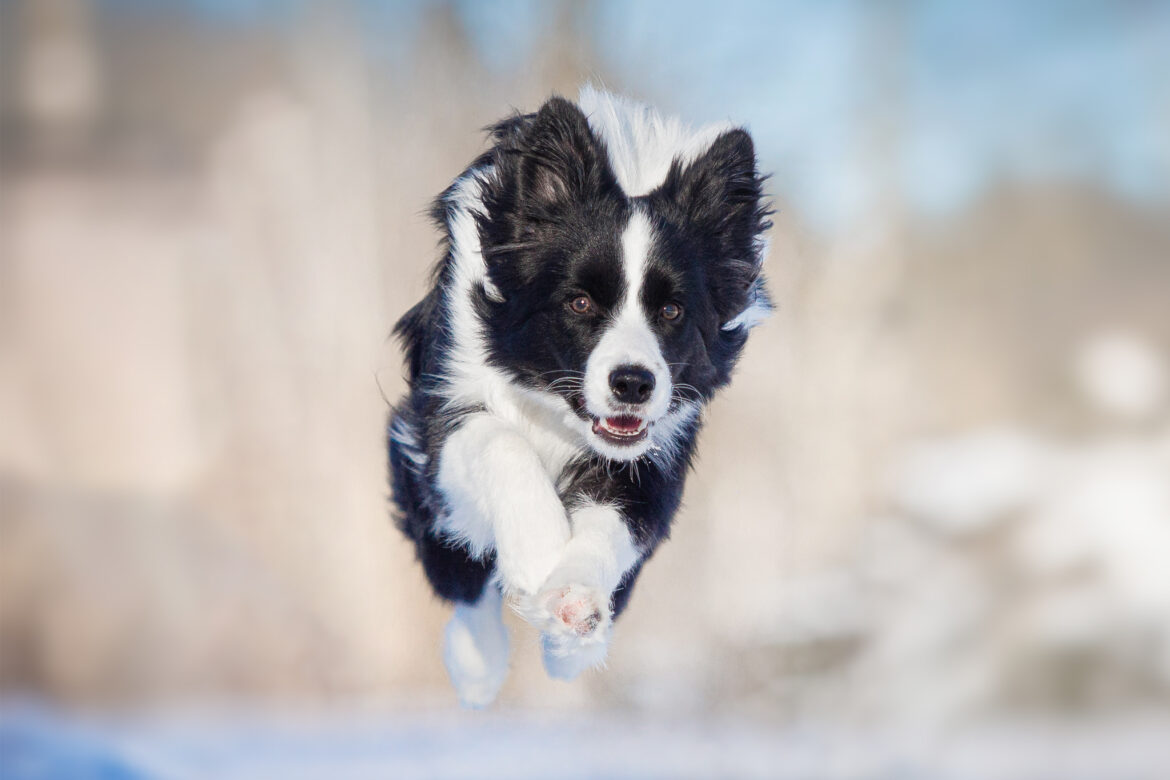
(500, 496)
(572, 608)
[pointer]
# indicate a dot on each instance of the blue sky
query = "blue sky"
(855, 103)
(970, 93)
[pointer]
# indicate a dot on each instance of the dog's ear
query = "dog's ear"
(561, 160)
(720, 191)
(720, 194)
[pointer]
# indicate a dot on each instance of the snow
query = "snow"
(966, 484)
(36, 742)
(1122, 373)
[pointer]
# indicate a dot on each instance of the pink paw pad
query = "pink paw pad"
(580, 614)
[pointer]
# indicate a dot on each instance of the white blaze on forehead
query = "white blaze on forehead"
(641, 145)
(629, 338)
(635, 254)
(633, 336)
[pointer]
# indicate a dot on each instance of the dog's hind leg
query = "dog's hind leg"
(475, 649)
(475, 646)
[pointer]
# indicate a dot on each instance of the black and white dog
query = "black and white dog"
(599, 276)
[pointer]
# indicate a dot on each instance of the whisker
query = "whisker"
(559, 385)
(682, 387)
(562, 371)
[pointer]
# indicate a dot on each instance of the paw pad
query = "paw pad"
(579, 615)
(579, 612)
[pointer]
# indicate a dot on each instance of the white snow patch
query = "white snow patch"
(965, 484)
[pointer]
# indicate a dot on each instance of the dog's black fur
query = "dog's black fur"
(550, 222)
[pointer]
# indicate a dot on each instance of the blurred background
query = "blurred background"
(936, 500)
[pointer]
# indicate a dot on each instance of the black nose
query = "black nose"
(631, 384)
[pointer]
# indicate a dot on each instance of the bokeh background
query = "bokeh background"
(936, 500)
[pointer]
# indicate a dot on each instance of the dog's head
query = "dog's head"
(627, 299)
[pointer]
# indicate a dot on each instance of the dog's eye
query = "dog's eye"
(671, 311)
(582, 304)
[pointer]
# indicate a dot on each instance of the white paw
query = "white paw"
(574, 621)
(566, 659)
(475, 653)
(574, 612)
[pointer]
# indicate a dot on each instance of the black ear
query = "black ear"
(720, 194)
(720, 190)
(561, 160)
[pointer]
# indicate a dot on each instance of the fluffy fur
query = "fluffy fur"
(600, 272)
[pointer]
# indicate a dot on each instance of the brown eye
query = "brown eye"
(671, 311)
(581, 304)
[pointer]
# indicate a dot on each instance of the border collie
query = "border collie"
(600, 272)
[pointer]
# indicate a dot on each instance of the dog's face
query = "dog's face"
(628, 310)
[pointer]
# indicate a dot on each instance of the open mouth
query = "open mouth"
(623, 429)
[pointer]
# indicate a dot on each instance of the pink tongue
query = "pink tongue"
(624, 423)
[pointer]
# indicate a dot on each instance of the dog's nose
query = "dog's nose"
(631, 384)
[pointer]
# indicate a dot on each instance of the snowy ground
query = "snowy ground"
(38, 743)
